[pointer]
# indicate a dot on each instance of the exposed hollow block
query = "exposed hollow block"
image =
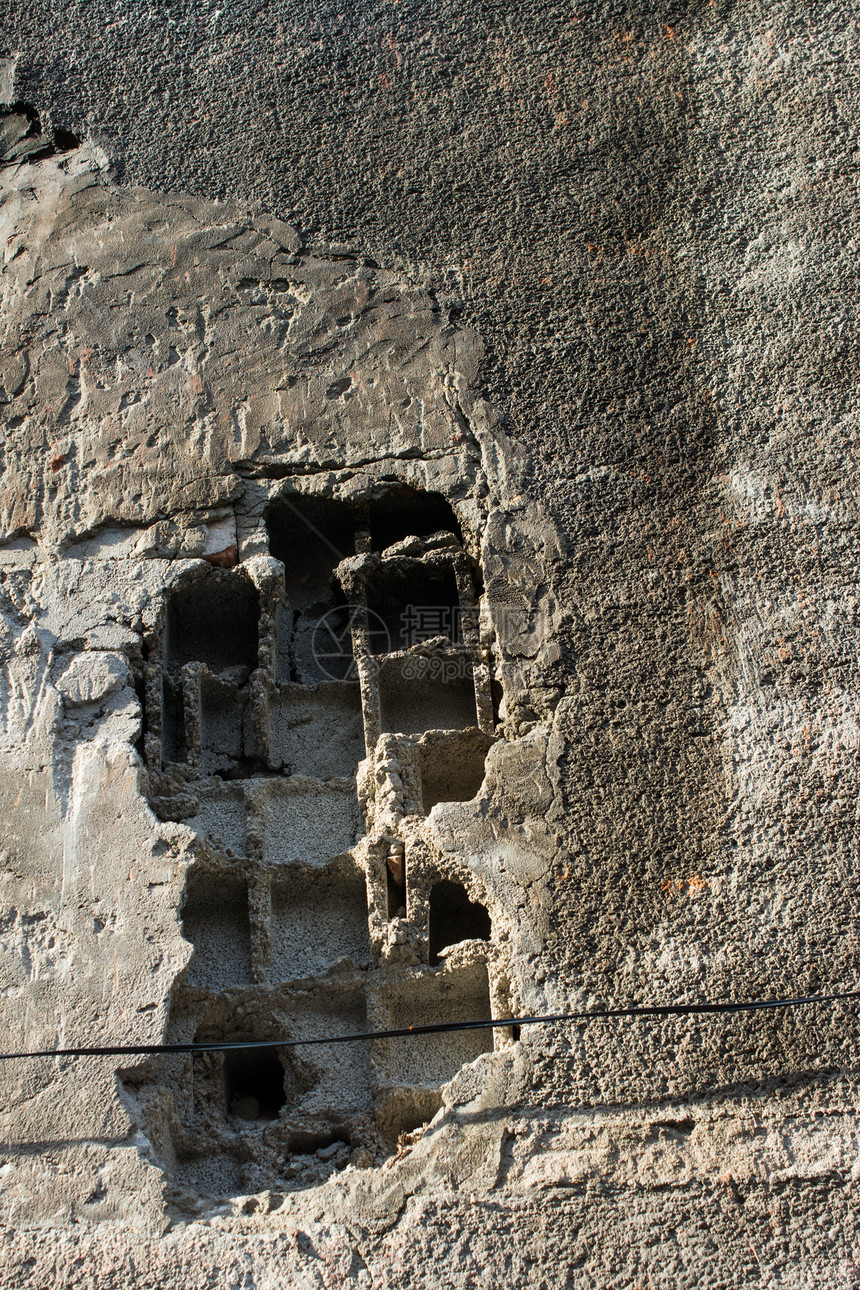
(318, 918)
(218, 1097)
(295, 830)
(223, 1082)
(305, 821)
(316, 732)
(315, 1091)
(418, 694)
(215, 921)
(428, 1061)
(341, 1089)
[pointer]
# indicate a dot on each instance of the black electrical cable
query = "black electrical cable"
(491, 1023)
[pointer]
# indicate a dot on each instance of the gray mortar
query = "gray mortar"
(649, 218)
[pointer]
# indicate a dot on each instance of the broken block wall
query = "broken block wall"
(648, 218)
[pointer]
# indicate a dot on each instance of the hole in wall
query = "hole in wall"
(310, 536)
(254, 1083)
(28, 113)
(452, 770)
(21, 136)
(409, 512)
(247, 1113)
(455, 918)
(207, 1108)
(415, 601)
(65, 140)
(497, 695)
(214, 620)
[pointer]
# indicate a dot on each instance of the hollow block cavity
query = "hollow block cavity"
(414, 603)
(223, 710)
(213, 620)
(215, 921)
(306, 821)
(418, 694)
(452, 769)
(221, 818)
(317, 919)
(310, 535)
(455, 918)
(428, 1061)
(407, 512)
(317, 732)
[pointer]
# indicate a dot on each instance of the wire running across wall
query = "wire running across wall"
(443, 1027)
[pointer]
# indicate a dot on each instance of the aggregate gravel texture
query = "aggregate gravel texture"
(648, 215)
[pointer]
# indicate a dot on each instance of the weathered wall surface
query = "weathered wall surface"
(648, 218)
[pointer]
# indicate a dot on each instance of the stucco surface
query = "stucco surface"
(612, 251)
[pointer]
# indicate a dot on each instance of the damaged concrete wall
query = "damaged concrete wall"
(269, 620)
(619, 767)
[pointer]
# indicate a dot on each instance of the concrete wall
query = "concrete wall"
(587, 275)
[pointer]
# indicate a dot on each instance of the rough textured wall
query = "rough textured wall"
(648, 218)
